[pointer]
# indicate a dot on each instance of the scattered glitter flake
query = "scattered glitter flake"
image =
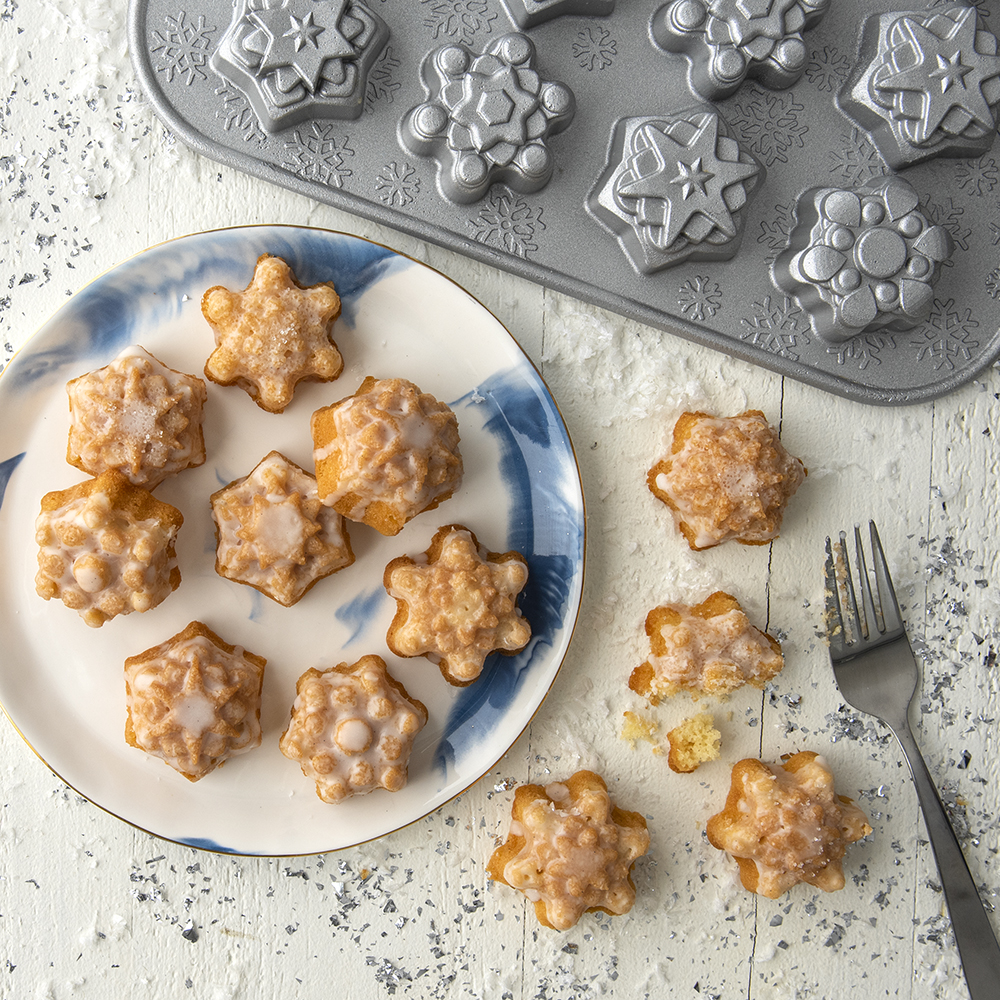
(317, 154)
(459, 19)
(855, 160)
(845, 724)
(594, 48)
(862, 351)
(768, 123)
(947, 336)
(237, 115)
(828, 69)
(183, 48)
(381, 85)
(948, 214)
(993, 283)
(774, 326)
(397, 184)
(977, 176)
(509, 223)
(699, 298)
(774, 232)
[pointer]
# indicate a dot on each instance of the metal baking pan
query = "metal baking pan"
(541, 136)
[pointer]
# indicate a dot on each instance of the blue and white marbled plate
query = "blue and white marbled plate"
(61, 683)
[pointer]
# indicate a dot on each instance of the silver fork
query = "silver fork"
(877, 674)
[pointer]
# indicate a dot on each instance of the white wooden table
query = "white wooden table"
(90, 907)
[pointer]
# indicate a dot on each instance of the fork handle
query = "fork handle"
(977, 943)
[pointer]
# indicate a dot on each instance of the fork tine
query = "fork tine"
(852, 606)
(892, 619)
(869, 623)
(834, 615)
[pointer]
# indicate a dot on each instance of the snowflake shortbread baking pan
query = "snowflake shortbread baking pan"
(542, 136)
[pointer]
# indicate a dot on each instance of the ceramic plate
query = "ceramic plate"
(61, 682)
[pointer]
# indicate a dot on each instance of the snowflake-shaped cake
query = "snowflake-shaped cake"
(862, 259)
(272, 335)
(455, 604)
(675, 189)
(352, 729)
(106, 548)
(138, 416)
(785, 825)
(194, 701)
(926, 83)
(275, 534)
(298, 59)
(570, 850)
(725, 41)
(487, 118)
(529, 13)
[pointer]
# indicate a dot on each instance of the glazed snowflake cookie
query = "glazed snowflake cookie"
(386, 454)
(726, 478)
(570, 850)
(785, 825)
(137, 416)
(455, 604)
(194, 701)
(862, 259)
(106, 548)
(708, 648)
(272, 335)
(352, 729)
(274, 534)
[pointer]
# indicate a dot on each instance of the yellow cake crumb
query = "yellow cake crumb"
(693, 742)
(638, 728)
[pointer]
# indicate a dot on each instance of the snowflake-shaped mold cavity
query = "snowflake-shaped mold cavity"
(529, 13)
(106, 548)
(487, 118)
(352, 728)
(725, 41)
(455, 604)
(675, 189)
(862, 259)
(786, 825)
(570, 850)
(274, 533)
(926, 83)
(138, 416)
(194, 701)
(298, 59)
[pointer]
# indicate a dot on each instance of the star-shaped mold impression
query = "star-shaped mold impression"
(529, 13)
(272, 335)
(726, 41)
(275, 534)
(296, 60)
(194, 701)
(352, 729)
(487, 118)
(926, 84)
(137, 416)
(570, 850)
(455, 604)
(675, 189)
(862, 259)
(786, 824)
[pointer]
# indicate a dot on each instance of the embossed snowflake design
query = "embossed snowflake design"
(774, 327)
(508, 222)
(397, 184)
(995, 234)
(993, 283)
(862, 351)
(699, 298)
(316, 154)
(774, 232)
(828, 69)
(461, 19)
(857, 160)
(948, 215)
(977, 176)
(237, 115)
(183, 48)
(381, 85)
(594, 48)
(767, 123)
(947, 336)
